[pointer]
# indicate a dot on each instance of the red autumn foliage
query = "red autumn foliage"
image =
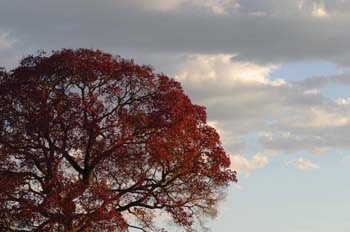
(93, 142)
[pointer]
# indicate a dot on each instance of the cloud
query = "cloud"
(319, 117)
(343, 101)
(219, 7)
(300, 4)
(318, 82)
(6, 41)
(224, 70)
(237, 94)
(319, 11)
(246, 166)
(303, 164)
(287, 32)
(258, 13)
(232, 141)
(157, 5)
(8, 52)
(282, 116)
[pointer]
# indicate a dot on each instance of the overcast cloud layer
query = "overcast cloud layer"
(223, 52)
(270, 31)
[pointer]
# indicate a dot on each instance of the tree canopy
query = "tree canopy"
(94, 142)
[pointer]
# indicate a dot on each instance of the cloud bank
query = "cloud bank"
(266, 32)
(285, 116)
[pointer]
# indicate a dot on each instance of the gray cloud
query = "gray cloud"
(117, 25)
(322, 81)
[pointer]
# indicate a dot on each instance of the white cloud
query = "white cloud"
(312, 91)
(241, 99)
(225, 70)
(318, 117)
(343, 101)
(243, 165)
(319, 11)
(322, 118)
(303, 164)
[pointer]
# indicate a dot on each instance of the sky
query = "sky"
(273, 75)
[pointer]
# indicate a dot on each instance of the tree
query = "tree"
(93, 142)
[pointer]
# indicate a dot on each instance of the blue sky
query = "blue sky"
(273, 75)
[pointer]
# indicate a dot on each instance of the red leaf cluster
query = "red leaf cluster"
(93, 142)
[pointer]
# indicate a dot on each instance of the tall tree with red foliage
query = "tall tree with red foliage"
(93, 142)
